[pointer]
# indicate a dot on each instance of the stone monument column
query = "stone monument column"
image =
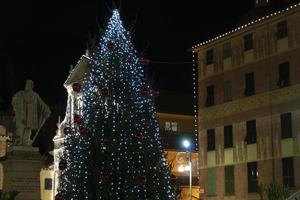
(23, 163)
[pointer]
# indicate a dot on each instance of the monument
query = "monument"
(30, 114)
(23, 162)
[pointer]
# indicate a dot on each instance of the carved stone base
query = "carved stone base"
(21, 172)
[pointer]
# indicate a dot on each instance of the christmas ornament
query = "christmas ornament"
(76, 87)
(139, 136)
(110, 46)
(77, 119)
(104, 92)
(58, 197)
(145, 92)
(142, 181)
(144, 60)
(67, 130)
(173, 177)
(104, 178)
(62, 165)
(83, 130)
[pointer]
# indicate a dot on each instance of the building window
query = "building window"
(211, 180)
(210, 139)
(282, 30)
(252, 176)
(227, 91)
(227, 50)
(251, 132)
(209, 57)
(288, 172)
(286, 125)
(229, 180)
(167, 126)
(248, 42)
(48, 184)
(210, 100)
(174, 126)
(249, 84)
(284, 74)
(228, 138)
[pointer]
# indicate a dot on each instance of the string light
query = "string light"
(246, 25)
(108, 161)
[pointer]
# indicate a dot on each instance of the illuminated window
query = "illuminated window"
(282, 30)
(167, 126)
(174, 126)
(209, 57)
(248, 42)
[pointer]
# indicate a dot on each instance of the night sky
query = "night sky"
(39, 40)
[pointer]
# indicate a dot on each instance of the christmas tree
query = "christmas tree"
(113, 148)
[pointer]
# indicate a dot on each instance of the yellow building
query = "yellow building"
(174, 128)
(249, 104)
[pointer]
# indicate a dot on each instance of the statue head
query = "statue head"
(29, 85)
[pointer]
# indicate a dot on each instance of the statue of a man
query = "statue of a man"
(30, 113)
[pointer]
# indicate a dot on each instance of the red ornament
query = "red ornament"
(58, 197)
(76, 87)
(139, 136)
(110, 46)
(83, 130)
(104, 178)
(144, 61)
(142, 181)
(173, 177)
(104, 92)
(77, 119)
(145, 92)
(62, 165)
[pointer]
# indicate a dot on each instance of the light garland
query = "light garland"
(246, 25)
(119, 155)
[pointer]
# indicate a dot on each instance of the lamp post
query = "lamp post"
(187, 145)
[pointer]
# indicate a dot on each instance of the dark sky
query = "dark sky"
(39, 39)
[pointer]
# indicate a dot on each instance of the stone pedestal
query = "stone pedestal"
(21, 172)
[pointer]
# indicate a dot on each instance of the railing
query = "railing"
(295, 196)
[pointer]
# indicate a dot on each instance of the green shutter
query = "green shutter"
(229, 180)
(227, 91)
(211, 191)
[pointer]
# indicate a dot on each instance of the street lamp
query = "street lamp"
(187, 145)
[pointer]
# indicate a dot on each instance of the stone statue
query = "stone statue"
(30, 114)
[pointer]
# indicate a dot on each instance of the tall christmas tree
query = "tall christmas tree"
(113, 148)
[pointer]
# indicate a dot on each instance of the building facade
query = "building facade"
(249, 106)
(174, 129)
